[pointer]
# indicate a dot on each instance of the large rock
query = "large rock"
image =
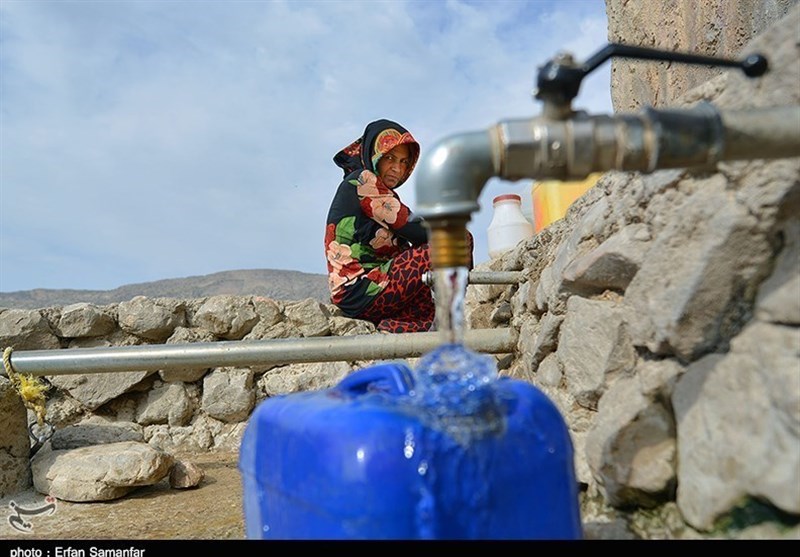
(95, 389)
(150, 319)
(227, 317)
(738, 419)
(228, 394)
(84, 320)
(99, 472)
(24, 329)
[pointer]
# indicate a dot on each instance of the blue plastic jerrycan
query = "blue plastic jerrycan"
(393, 454)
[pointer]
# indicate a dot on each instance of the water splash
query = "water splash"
(450, 378)
(454, 386)
(450, 286)
(456, 399)
(453, 383)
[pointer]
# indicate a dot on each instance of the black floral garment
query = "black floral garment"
(367, 223)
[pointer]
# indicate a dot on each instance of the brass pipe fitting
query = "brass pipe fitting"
(449, 243)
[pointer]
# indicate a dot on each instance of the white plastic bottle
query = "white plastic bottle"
(509, 226)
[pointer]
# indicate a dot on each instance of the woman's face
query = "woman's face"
(393, 166)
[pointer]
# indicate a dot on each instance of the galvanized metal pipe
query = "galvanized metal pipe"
(450, 178)
(483, 277)
(452, 175)
(651, 140)
(204, 355)
(770, 133)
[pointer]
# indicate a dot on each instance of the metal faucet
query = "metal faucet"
(564, 144)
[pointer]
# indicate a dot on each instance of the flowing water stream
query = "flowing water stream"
(452, 380)
(450, 289)
(457, 403)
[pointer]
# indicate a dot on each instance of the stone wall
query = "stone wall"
(174, 410)
(663, 317)
(718, 28)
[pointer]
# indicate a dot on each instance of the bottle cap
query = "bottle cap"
(507, 197)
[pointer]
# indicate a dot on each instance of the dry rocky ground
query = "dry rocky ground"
(213, 510)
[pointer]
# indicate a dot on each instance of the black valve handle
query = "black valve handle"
(560, 81)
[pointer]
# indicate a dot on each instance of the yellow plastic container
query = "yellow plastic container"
(552, 198)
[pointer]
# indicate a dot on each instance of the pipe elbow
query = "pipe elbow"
(450, 177)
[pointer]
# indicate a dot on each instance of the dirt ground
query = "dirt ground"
(212, 510)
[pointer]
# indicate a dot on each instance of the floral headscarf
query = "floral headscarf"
(380, 137)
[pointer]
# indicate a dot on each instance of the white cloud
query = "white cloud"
(144, 140)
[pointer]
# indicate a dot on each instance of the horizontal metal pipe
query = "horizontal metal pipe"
(494, 277)
(453, 174)
(483, 277)
(769, 133)
(203, 355)
(651, 140)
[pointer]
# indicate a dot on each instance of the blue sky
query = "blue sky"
(144, 140)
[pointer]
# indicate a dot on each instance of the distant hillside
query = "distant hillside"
(270, 283)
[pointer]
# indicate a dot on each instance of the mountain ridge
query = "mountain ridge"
(271, 283)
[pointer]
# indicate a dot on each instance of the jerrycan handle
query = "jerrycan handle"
(391, 378)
